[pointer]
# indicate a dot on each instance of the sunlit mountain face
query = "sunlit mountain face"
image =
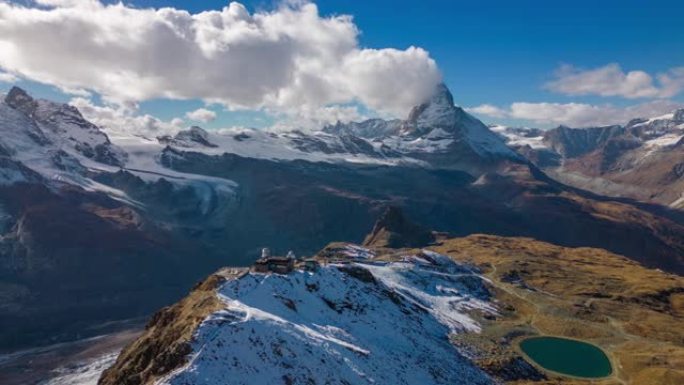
(307, 193)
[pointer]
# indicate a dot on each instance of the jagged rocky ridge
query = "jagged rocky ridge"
(410, 316)
(436, 134)
(375, 321)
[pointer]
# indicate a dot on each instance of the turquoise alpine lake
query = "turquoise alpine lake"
(566, 356)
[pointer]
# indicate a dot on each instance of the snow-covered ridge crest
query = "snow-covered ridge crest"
(433, 129)
(656, 132)
(436, 126)
(53, 141)
(436, 134)
(365, 321)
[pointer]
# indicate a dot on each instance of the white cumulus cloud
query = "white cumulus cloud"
(488, 110)
(202, 115)
(611, 80)
(281, 60)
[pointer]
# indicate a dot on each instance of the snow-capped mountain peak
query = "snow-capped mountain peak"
(436, 131)
(441, 114)
(57, 142)
(438, 112)
(192, 137)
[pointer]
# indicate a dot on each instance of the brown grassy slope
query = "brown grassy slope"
(165, 343)
(635, 314)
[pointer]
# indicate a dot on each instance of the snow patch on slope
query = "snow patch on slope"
(332, 327)
(84, 373)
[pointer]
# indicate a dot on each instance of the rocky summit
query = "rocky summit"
(393, 230)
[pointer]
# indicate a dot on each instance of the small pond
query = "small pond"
(566, 356)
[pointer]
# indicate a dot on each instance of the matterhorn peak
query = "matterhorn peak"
(198, 131)
(438, 111)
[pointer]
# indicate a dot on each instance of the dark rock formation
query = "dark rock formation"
(393, 230)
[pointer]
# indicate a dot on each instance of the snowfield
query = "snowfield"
(358, 323)
(86, 373)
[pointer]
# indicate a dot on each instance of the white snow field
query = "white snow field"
(381, 323)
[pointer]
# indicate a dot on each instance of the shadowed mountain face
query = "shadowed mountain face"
(70, 260)
(92, 236)
(393, 230)
(346, 201)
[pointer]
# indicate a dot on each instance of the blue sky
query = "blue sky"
(489, 52)
(502, 51)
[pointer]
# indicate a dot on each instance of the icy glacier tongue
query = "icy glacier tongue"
(366, 322)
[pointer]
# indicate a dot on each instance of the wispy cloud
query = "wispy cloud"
(7, 77)
(577, 114)
(611, 80)
(489, 110)
(201, 115)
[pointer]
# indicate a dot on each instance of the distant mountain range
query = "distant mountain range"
(97, 225)
(643, 159)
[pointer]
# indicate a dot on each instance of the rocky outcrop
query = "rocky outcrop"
(573, 142)
(393, 230)
(20, 100)
(678, 116)
(194, 136)
(165, 343)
